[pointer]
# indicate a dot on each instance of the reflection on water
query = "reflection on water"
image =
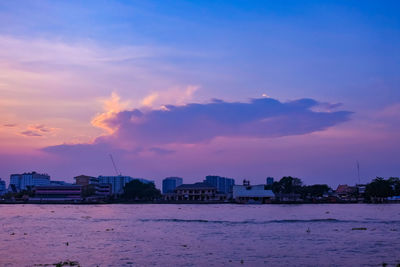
(214, 235)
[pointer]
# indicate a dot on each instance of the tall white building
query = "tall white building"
(28, 180)
(118, 182)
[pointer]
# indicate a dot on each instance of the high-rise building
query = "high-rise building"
(170, 183)
(28, 180)
(270, 180)
(224, 185)
(118, 182)
(2, 187)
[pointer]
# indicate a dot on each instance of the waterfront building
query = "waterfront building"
(59, 183)
(58, 193)
(248, 194)
(224, 185)
(27, 181)
(103, 190)
(195, 192)
(346, 193)
(118, 182)
(170, 183)
(2, 187)
(85, 180)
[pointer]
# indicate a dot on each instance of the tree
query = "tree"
(287, 185)
(379, 188)
(316, 190)
(395, 184)
(136, 190)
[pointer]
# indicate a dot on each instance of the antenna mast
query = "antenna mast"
(115, 166)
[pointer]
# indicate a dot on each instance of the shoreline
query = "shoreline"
(176, 203)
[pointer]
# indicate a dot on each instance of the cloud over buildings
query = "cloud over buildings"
(198, 123)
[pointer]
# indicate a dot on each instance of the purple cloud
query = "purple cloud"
(194, 123)
(150, 131)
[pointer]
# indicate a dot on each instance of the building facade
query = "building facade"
(2, 187)
(27, 181)
(58, 193)
(85, 180)
(170, 183)
(203, 192)
(248, 194)
(224, 185)
(118, 182)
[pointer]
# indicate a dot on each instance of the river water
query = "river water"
(200, 235)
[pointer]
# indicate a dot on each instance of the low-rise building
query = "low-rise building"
(195, 192)
(85, 180)
(248, 194)
(103, 190)
(347, 193)
(58, 193)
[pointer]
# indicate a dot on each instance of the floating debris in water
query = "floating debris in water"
(61, 264)
(12, 233)
(66, 263)
(66, 243)
(327, 212)
(359, 228)
(308, 230)
(241, 261)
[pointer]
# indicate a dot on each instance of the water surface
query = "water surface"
(201, 235)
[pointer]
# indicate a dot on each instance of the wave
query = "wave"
(327, 220)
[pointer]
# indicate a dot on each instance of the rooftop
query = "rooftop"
(196, 186)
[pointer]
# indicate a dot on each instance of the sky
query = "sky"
(242, 89)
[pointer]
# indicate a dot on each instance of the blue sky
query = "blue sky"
(68, 57)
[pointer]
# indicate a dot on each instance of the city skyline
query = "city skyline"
(242, 90)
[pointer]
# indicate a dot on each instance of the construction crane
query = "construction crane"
(115, 166)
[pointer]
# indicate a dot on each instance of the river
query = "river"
(201, 235)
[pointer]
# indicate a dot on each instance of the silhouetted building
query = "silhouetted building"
(103, 190)
(27, 181)
(224, 185)
(2, 187)
(118, 182)
(270, 180)
(347, 193)
(170, 183)
(59, 183)
(58, 193)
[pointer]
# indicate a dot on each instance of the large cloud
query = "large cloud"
(198, 123)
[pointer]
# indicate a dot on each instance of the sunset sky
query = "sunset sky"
(243, 89)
